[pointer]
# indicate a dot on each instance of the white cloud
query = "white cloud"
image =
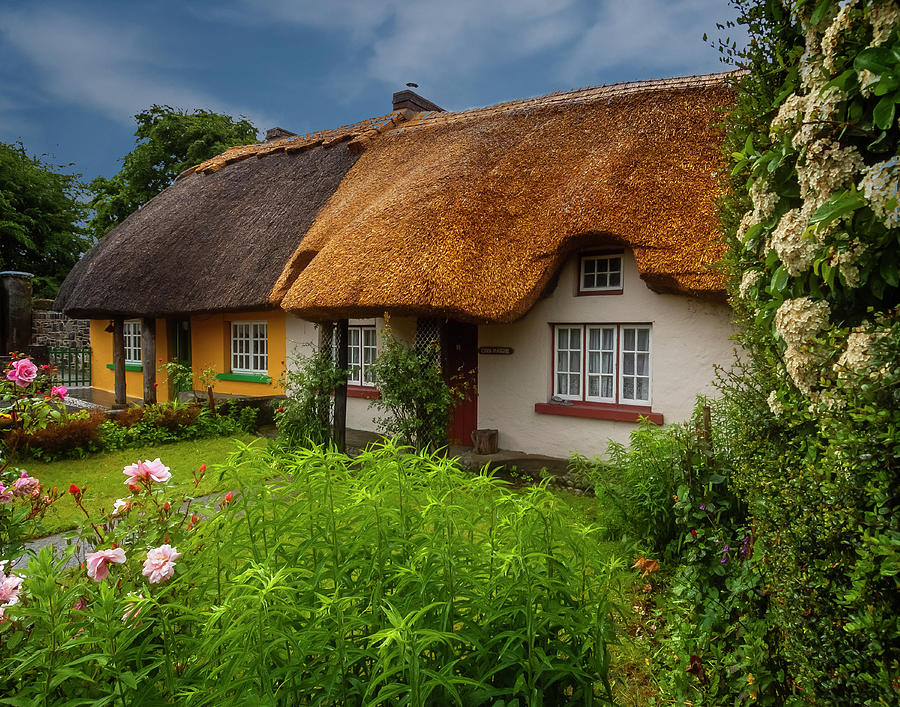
(103, 66)
(441, 41)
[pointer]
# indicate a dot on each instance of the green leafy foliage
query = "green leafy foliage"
(304, 417)
(169, 141)
(81, 434)
(394, 578)
(40, 218)
(414, 395)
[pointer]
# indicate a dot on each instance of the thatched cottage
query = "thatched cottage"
(564, 247)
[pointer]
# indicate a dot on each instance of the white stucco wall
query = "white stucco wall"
(689, 337)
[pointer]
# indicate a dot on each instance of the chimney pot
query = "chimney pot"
(410, 100)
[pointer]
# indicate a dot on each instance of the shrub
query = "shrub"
(414, 395)
(79, 434)
(391, 578)
(304, 417)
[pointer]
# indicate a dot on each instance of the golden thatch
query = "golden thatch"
(466, 215)
(469, 215)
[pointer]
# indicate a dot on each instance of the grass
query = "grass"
(101, 476)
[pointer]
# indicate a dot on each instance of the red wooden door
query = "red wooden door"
(462, 374)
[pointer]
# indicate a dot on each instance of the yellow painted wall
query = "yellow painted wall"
(104, 378)
(211, 346)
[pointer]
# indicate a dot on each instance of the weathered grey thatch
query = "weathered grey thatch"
(210, 242)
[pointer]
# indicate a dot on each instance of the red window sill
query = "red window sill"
(600, 411)
(366, 392)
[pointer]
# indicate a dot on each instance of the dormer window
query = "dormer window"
(600, 273)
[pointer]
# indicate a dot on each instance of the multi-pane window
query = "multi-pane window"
(601, 273)
(249, 347)
(132, 332)
(602, 363)
(361, 351)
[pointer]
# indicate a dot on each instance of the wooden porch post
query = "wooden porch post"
(339, 433)
(119, 362)
(148, 359)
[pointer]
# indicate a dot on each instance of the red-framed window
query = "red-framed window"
(602, 363)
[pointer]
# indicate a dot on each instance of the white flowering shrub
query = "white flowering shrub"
(815, 262)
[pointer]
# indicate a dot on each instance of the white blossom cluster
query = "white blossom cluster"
(748, 281)
(879, 185)
(847, 261)
(797, 321)
(856, 357)
(775, 404)
(831, 41)
(796, 245)
(826, 169)
(883, 16)
(764, 200)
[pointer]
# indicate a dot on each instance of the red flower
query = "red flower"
(74, 490)
(203, 467)
(166, 539)
(166, 505)
(155, 384)
(280, 409)
(693, 533)
(134, 488)
(228, 497)
(190, 526)
(195, 519)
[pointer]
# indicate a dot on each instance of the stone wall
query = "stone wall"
(51, 328)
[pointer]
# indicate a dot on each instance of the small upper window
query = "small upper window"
(132, 333)
(601, 273)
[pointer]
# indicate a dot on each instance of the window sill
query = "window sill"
(591, 293)
(366, 392)
(128, 366)
(244, 377)
(601, 411)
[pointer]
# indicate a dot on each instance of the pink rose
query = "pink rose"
(59, 391)
(160, 563)
(146, 471)
(9, 587)
(97, 562)
(6, 494)
(22, 372)
(25, 485)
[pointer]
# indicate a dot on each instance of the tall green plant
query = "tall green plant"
(304, 417)
(415, 397)
(391, 578)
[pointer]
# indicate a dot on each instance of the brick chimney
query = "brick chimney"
(412, 101)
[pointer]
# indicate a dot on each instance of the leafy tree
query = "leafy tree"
(169, 141)
(40, 216)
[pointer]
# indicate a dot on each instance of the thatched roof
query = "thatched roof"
(470, 214)
(466, 215)
(216, 241)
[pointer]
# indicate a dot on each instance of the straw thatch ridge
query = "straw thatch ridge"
(297, 143)
(469, 215)
(211, 243)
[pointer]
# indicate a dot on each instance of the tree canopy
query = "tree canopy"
(40, 218)
(169, 141)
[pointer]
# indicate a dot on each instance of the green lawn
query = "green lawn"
(102, 478)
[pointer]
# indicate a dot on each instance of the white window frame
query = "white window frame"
(362, 349)
(597, 257)
(249, 343)
(131, 332)
(617, 356)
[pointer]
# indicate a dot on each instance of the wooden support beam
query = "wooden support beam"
(148, 359)
(339, 432)
(119, 362)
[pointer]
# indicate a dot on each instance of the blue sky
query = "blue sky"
(73, 73)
